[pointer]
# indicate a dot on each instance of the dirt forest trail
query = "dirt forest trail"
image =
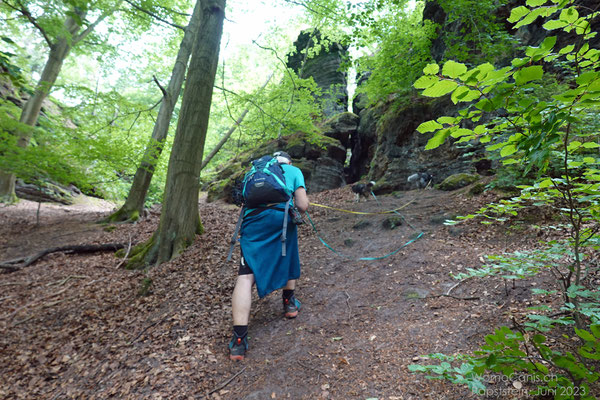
(74, 327)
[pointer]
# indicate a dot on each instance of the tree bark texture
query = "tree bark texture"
(7, 187)
(134, 205)
(180, 220)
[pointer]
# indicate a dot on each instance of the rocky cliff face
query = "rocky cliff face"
(387, 148)
(325, 68)
(394, 149)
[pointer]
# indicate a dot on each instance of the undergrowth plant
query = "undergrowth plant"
(557, 140)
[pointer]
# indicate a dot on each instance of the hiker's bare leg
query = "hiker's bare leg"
(291, 285)
(241, 300)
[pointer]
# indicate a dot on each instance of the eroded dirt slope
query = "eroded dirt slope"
(74, 327)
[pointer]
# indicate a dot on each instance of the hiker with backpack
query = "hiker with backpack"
(273, 192)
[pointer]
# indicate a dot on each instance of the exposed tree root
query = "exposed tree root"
(140, 255)
(122, 215)
(148, 253)
(23, 262)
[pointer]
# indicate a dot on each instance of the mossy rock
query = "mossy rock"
(457, 181)
(477, 189)
(392, 222)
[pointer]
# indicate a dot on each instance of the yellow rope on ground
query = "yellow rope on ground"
(360, 212)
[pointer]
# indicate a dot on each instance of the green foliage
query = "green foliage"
(555, 135)
(523, 355)
(280, 109)
(399, 42)
(37, 162)
(519, 264)
(7, 68)
(113, 132)
(473, 33)
(96, 145)
(101, 137)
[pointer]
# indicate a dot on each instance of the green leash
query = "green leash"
(395, 212)
(361, 258)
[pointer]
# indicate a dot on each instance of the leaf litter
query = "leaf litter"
(74, 327)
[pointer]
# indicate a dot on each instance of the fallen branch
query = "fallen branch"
(227, 382)
(148, 327)
(452, 296)
(126, 254)
(22, 321)
(12, 266)
(14, 283)
(67, 279)
(453, 287)
(51, 304)
(348, 304)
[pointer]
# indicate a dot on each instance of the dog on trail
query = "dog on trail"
(362, 189)
(421, 179)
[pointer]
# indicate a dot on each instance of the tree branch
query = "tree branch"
(251, 102)
(154, 15)
(92, 26)
(27, 14)
(328, 11)
(162, 89)
(174, 11)
(287, 69)
(117, 116)
(227, 382)
(12, 266)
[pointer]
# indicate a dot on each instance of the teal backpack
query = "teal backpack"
(262, 186)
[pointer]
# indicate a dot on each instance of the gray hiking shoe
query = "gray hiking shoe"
(238, 347)
(291, 307)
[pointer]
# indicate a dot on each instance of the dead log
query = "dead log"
(47, 192)
(23, 262)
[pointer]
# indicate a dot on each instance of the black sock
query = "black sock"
(287, 294)
(240, 330)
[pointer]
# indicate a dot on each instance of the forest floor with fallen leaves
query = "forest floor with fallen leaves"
(74, 327)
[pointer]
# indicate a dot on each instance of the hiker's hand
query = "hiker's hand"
(300, 199)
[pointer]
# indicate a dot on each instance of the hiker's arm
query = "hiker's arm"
(300, 199)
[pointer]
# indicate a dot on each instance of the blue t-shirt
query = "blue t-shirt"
(293, 177)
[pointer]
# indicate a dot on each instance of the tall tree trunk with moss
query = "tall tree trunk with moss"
(134, 205)
(180, 220)
(71, 34)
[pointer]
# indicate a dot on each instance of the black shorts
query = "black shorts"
(244, 268)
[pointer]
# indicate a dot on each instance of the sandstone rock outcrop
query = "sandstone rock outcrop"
(326, 68)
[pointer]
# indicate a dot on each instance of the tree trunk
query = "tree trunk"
(134, 205)
(31, 110)
(180, 220)
(7, 188)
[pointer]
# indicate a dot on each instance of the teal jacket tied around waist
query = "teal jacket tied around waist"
(260, 241)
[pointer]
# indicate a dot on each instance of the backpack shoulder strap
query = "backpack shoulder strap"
(235, 233)
(285, 223)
